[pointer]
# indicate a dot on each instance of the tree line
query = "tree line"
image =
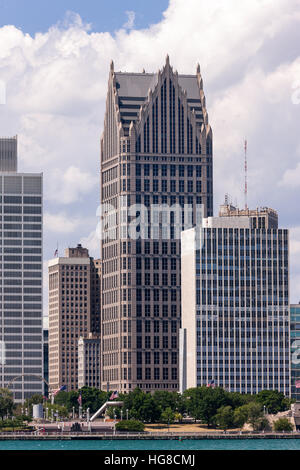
(211, 406)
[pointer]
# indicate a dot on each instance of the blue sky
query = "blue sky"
(56, 85)
(32, 16)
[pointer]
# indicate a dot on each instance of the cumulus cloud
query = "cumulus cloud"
(56, 86)
(291, 178)
(92, 242)
(60, 223)
(69, 186)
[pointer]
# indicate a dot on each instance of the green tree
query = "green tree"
(203, 402)
(273, 400)
(178, 417)
(141, 406)
(113, 412)
(262, 424)
(130, 425)
(240, 416)
(6, 402)
(171, 400)
(168, 416)
(92, 398)
(224, 417)
(283, 424)
(255, 413)
(60, 410)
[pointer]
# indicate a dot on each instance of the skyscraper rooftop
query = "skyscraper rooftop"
(8, 154)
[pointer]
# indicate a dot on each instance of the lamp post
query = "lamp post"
(73, 412)
(121, 415)
(127, 415)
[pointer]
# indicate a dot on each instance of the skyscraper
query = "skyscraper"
(74, 311)
(295, 351)
(235, 303)
(21, 333)
(156, 169)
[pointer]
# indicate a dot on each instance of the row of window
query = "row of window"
(156, 373)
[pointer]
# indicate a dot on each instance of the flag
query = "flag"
(61, 389)
(56, 252)
(211, 384)
(114, 395)
(297, 384)
(79, 399)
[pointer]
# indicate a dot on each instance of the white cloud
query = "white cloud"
(69, 186)
(56, 86)
(130, 20)
(60, 223)
(291, 178)
(92, 242)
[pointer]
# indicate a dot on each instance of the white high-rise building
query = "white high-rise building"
(235, 303)
(21, 329)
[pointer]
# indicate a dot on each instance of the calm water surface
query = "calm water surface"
(224, 444)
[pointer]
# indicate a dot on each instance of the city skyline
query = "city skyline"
(43, 97)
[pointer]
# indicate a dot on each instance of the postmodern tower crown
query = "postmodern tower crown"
(161, 112)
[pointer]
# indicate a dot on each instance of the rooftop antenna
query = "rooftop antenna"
(246, 171)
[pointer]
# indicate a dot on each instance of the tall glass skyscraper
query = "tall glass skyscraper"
(295, 351)
(21, 329)
(235, 303)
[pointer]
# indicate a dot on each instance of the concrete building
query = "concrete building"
(21, 334)
(156, 151)
(295, 351)
(235, 303)
(73, 307)
(89, 363)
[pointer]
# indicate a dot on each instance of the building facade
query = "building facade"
(46, 360)
(72, 308)
(89, 364)
(156, 153)
(295, 351)
(21, 315)
(235, 303)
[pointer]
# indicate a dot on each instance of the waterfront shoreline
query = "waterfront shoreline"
(146, 436)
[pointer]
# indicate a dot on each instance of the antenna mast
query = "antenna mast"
(246, 170)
